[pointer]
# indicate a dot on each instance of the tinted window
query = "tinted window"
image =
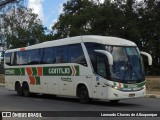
(101, 65)
(8, 58)
(90, 48)
(99, 61)
(58, 54)
(34, 56)
(22, 57)
(65, 54)
(14, 58)
(76, 55)
(29, 57)
(48, 55)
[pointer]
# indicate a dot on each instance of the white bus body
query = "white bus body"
(87, 67)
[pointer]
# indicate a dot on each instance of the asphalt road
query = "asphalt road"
(9, 101)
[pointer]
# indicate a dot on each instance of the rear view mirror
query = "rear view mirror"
(149, 57)
(108, 54)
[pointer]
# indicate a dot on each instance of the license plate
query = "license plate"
(132, 95)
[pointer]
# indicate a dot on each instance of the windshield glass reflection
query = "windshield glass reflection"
(126, 63)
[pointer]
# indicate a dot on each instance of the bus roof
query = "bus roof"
(78, 39)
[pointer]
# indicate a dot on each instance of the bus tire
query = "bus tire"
(18, 89)
(114, 101)
(83, 94)
(25, 88)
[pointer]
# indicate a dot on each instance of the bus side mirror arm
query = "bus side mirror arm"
(108, 54)
(149, 57)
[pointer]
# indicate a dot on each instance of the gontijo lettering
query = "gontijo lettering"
(59, 71)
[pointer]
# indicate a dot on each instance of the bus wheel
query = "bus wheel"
(114, 101)
(26, 92)
(83, 94)
(18, 89)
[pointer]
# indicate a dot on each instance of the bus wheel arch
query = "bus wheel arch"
(18, 88)
(25, 89)
(82, 93)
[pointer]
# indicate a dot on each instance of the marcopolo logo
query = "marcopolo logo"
(61, 71)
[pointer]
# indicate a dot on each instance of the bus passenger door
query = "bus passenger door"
(99, 86)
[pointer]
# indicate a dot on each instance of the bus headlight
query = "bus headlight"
(117, 88)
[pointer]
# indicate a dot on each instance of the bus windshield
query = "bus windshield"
(127, 65)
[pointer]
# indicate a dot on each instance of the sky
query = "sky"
(48, 10)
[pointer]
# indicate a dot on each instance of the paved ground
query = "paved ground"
(9, 101)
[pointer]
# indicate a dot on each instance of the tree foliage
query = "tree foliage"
(3, 3)
(22, 28)
(129, 19)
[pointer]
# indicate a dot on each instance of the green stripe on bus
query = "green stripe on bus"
(37, 80)
(125, 86)
(47, 71)
(138, 85)
(34, 71)
(77, 70)
(15, 71)
(60, 71)
(22, 71)
(141, 84)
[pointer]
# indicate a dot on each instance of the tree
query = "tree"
(5, 2)
(23, 28)
(83, 17)
(150, 32)
(75, 20)
(5, 6)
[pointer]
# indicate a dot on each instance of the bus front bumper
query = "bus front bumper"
(115, 94)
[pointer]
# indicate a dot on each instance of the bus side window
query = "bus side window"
(14, 58)
(35, 56)
(8, 58)
(58, 54)
(101, 67)
(65, 54)
(48, 55)
(99, 61)
(76, 55)
(22, 57)
(90, 48)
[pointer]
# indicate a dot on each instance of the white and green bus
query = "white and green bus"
(86, 67)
